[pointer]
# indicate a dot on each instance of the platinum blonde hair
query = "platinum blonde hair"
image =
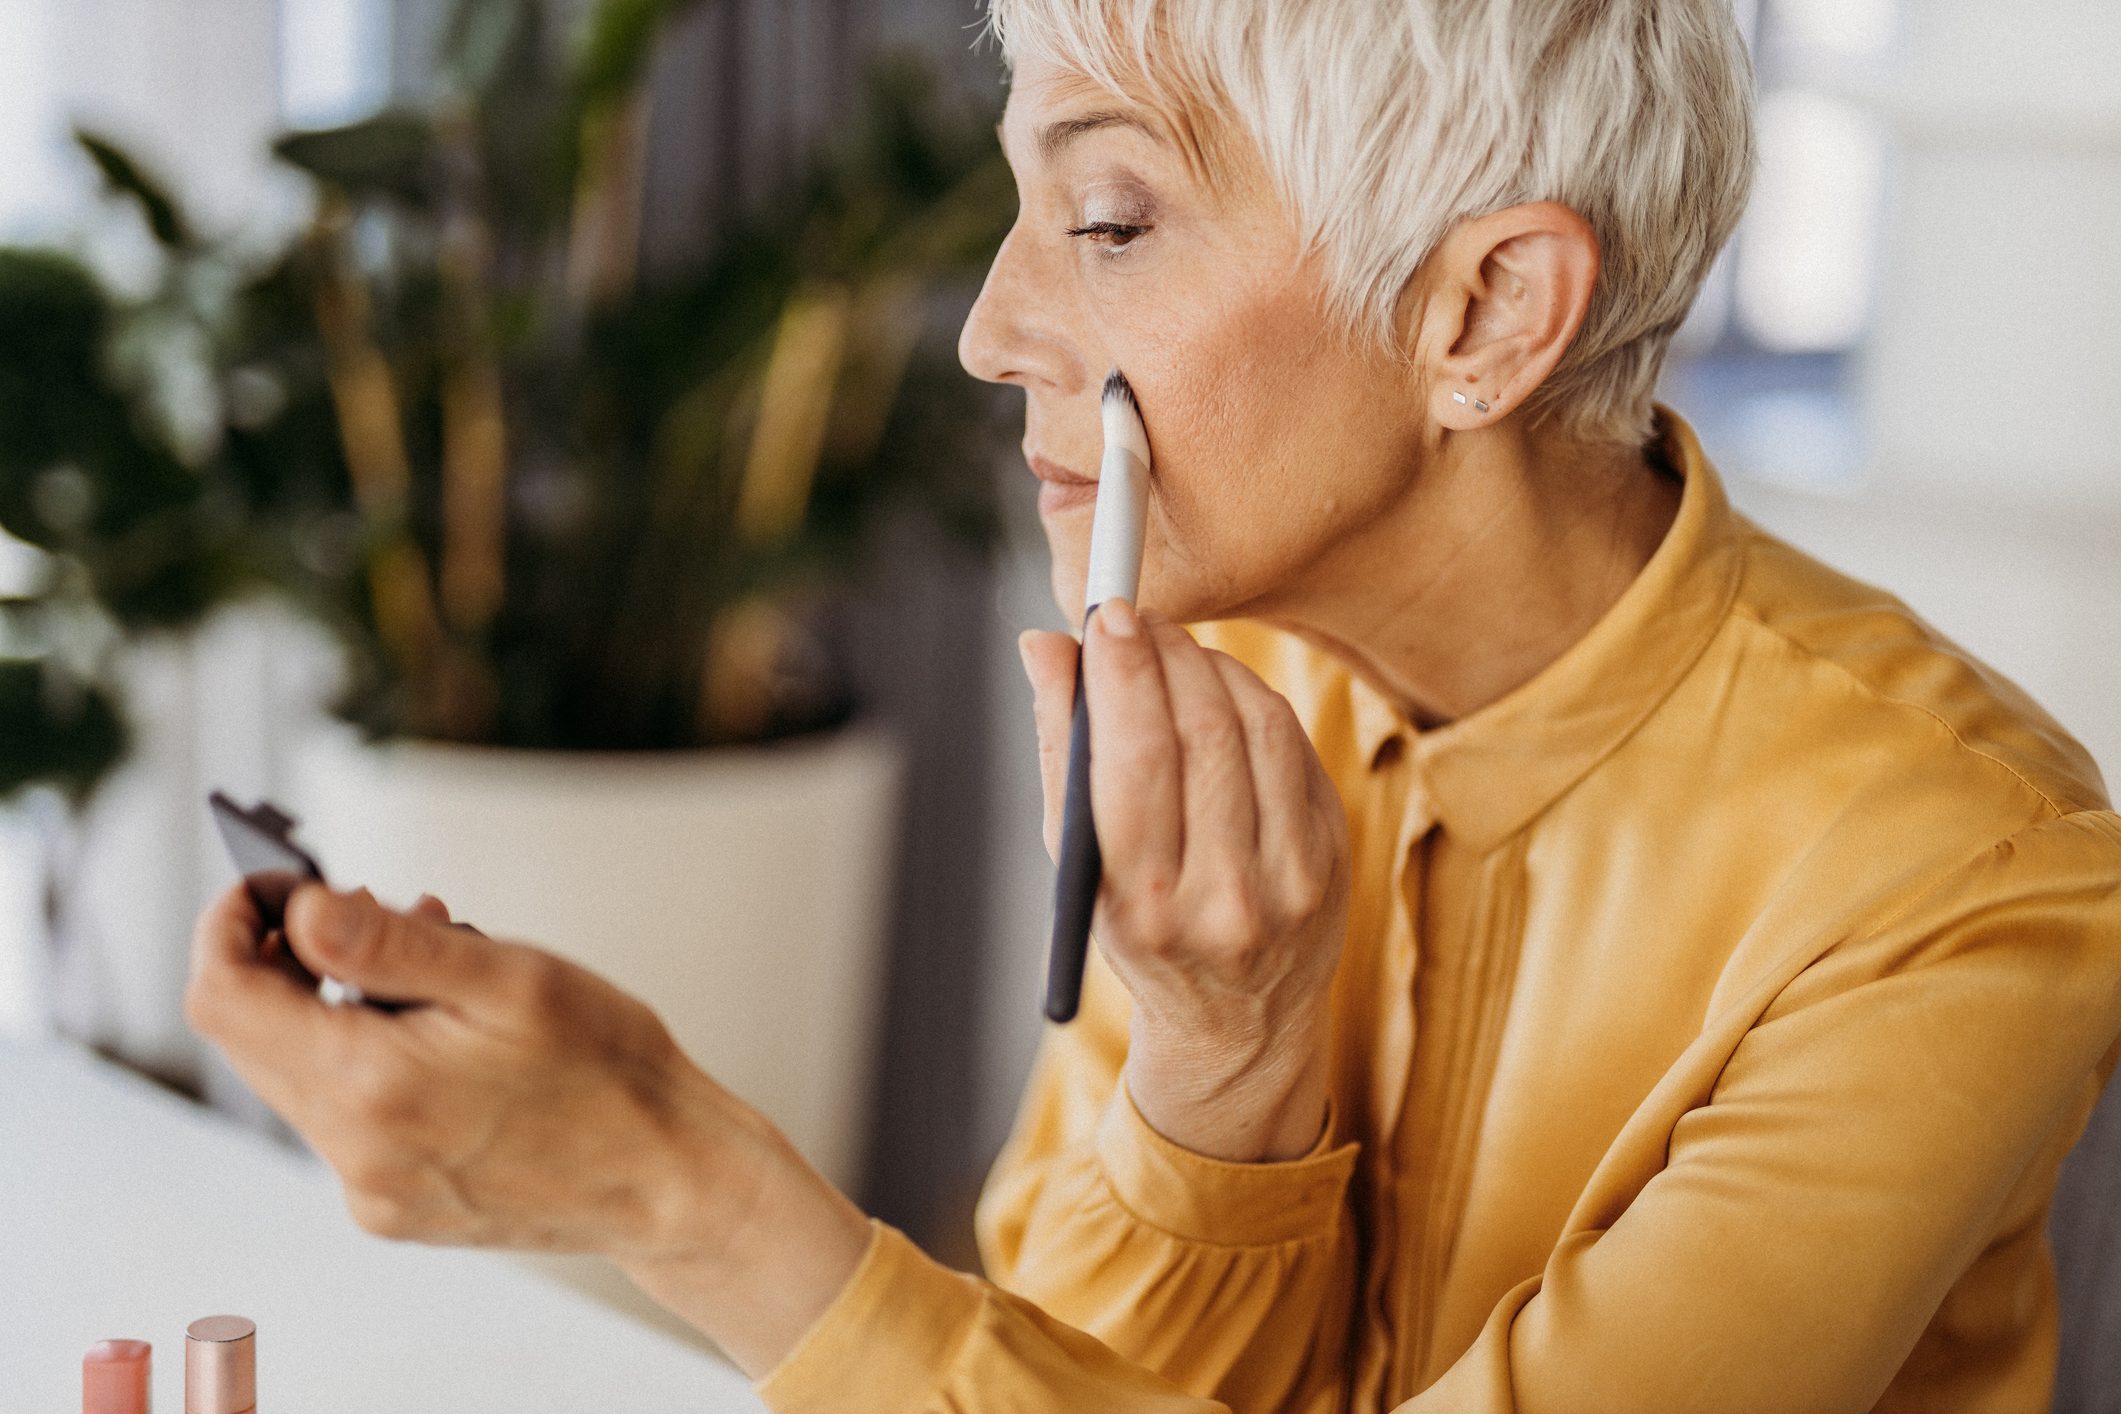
(1383, 123)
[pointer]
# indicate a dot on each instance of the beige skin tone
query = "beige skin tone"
(1446, 554)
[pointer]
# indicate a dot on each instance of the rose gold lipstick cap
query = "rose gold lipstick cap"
(220, 1366)
(114, 1377)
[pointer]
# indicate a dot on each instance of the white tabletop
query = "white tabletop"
(126, 1211)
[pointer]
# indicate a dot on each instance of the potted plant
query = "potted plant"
(577, 528)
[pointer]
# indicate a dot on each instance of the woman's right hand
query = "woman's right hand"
(1224, 901)
(527, 1103)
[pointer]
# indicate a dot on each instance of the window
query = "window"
(334, 60)
(33, 170)
(1766, 366)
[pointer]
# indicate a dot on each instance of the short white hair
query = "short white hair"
(1383, 123)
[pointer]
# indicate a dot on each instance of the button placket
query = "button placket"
(1398, 791)
(1481, 1007)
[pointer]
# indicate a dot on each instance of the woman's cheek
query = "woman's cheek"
(1198, 352)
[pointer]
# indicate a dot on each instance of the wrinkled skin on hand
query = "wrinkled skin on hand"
(1224, 901)
(521, 1102)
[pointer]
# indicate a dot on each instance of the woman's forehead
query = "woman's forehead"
(1043, 92)
(1051, 104)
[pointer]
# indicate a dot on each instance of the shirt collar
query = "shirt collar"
(1492, 771)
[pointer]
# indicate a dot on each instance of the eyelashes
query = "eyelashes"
(1114, 210)
(1113, 235)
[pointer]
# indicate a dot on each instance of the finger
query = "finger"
(386, 953)
(231, 981)
(430, 907)
(1049, 662)
(1284, 764)
(1221, 824)
(271, 1027)
(1135, 787)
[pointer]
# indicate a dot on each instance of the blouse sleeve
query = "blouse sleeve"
(1868, 1136)
(1231, 1280)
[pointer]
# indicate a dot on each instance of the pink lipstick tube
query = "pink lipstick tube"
(221, 1366)
(114, 1377)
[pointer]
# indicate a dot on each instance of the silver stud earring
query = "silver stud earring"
(1478, 406)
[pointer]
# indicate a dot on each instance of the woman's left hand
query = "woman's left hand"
(1224, 898)
(522, 1101)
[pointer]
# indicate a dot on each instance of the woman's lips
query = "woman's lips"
(1059, 488)
(1057, 496)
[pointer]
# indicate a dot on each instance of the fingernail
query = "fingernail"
(1119, 618)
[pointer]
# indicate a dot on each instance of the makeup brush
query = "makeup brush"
(1116, 528)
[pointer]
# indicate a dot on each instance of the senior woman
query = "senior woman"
(1560, 946)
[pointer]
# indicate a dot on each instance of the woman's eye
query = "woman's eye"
(1112, 234)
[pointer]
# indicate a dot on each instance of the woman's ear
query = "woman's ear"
(1507, 295)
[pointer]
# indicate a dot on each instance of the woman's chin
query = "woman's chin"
(1068, 580)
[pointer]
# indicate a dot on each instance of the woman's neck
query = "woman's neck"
(1501, 555)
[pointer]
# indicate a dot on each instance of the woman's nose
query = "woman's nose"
(1013, 334)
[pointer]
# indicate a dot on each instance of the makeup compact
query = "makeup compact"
(261, 842)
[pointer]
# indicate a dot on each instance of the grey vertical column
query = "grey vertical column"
(921, 641)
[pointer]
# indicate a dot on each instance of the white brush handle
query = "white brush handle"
(1117, 527)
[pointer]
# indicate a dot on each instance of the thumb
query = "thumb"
(1049, 661)
(386, 953)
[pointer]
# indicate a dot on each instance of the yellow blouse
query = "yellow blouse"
(1716, 1012)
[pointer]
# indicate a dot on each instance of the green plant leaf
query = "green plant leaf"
(387, 155)
(124, 175)
(55, 728)
(482, 39)
(53, 321)
(617, 43)
(626, 426)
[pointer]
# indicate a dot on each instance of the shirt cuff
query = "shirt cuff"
(1217, 1201)
(887, 1340)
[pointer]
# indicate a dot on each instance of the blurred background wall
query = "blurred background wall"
(1909, 363)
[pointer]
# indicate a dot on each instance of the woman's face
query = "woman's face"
(1274, 437)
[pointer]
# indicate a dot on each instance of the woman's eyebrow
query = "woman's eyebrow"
(1055, 136)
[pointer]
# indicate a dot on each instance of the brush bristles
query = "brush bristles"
(1122, 418)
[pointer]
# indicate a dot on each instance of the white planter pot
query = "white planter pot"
(741, 892)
